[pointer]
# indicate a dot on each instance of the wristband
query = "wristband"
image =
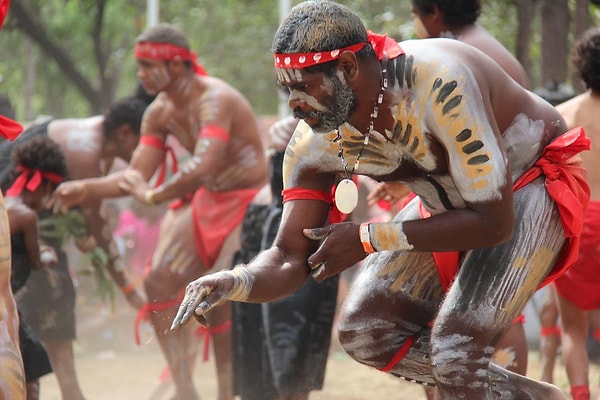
(243, 282)
(149, 197)
(128, 289)
(389, 236)
(365, 238)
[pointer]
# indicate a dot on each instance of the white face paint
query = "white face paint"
(312, 102)
(288, 75)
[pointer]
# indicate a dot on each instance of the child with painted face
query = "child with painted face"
(499, 201)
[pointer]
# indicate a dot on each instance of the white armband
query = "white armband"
(242, 284)
(388, 236)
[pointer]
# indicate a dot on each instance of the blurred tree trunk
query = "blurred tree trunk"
(525, 15)
(582, 21)
(29, 79)
(555, 44)
(99, 96)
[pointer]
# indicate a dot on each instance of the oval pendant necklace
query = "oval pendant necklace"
(346, 192)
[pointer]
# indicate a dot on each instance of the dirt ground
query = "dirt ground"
(111, 367)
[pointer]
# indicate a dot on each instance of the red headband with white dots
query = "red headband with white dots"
(381, 45)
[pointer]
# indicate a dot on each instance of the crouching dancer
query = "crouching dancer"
(497, 213)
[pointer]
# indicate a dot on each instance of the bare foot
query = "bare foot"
(508, 385)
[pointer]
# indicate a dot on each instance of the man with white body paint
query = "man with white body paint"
(210, 192)
(498, 196)
(458, 20)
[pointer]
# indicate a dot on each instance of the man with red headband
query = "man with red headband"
(499, 197)
(210, 191)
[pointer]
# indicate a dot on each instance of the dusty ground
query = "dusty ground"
(111, 367)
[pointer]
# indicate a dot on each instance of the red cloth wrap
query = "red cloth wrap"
(550, 330)
(581, 284)
(565, 184)
(580, 392)
(216, 215)
(215, 131)
(167, 52)
(159, 144)
(31, 180)
(335, 215)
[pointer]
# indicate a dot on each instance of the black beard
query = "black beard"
(342, 105)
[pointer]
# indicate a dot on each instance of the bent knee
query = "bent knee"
(372, 341)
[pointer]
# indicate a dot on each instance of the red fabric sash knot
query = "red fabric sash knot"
(9, 129)
(165, 374)
(144, 312)
(565, 180)
(31, 180)
(207, 332)
(383, 45)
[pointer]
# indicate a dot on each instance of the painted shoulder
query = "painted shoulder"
(307, 150)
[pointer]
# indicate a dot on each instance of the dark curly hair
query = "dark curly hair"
(39, 153)
(586, 58)
(456, 13)
(126, 111)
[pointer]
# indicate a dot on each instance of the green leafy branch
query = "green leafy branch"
(59, 228)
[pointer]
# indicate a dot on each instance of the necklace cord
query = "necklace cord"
(374, 114)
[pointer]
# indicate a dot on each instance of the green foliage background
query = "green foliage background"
(231, 37)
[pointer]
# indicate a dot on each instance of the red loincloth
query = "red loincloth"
(565, 184)
(581, 284)
(216, 215)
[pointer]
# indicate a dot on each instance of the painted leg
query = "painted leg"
(511, 350)
(221, 339)
(62, 360)
(174, 345)
(33, 390)
(492, 287)
(549, 334)
(574, 337)
(174, 264)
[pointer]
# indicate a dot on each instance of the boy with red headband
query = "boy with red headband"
(210, 190)
(490, 163)
(39, 166)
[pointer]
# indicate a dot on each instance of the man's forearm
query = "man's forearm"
(105, 187)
